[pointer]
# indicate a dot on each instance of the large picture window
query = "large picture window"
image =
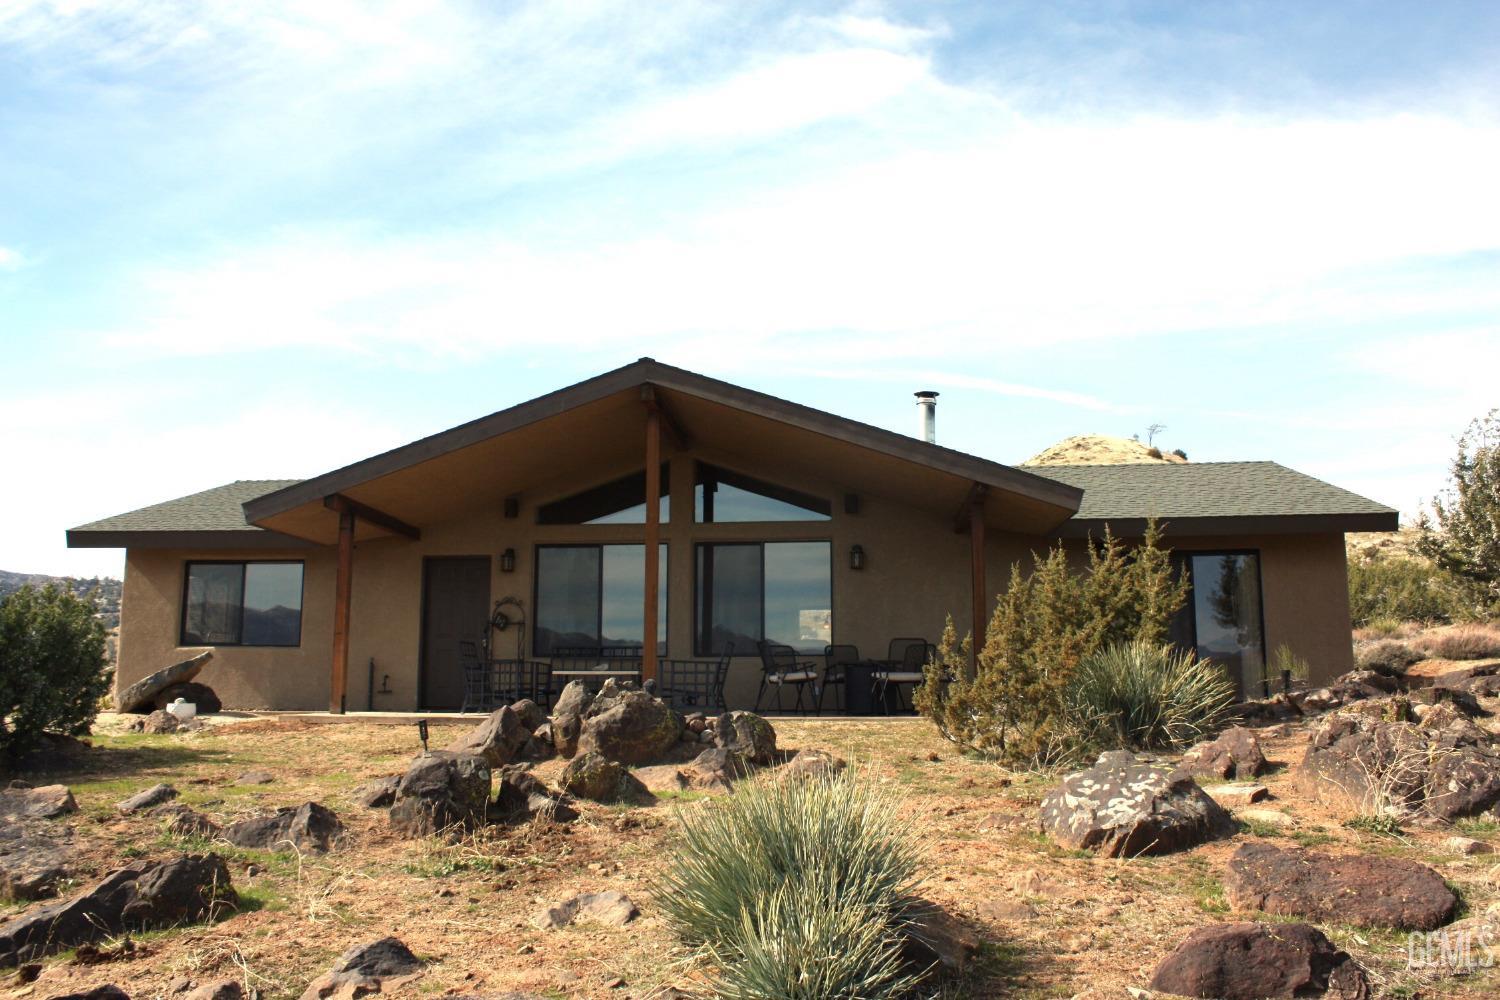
(778, 591)
(1221, 620)
(595, 595)
(620, 501)
(242, 604)
(723, 496)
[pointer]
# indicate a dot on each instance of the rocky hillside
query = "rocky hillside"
(1101, 449)
(105, 588)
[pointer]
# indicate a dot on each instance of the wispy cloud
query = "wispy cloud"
(10, 259)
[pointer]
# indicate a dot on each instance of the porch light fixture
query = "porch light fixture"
(857, 557)
(508, 561)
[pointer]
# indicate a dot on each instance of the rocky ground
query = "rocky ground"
(482, 913)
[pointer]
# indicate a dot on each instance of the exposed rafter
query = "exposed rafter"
(344, 505)
(963, 518)
(670, 426)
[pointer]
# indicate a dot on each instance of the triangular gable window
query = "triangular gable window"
(620, 501)
(723, 496)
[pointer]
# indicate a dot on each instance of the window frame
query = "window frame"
(705, 473)
(187, 576)
(663, 586)
(1260, 586)
(702, 650)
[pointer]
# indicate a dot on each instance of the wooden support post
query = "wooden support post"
(981, 597)
(653, 542)
(343, 592)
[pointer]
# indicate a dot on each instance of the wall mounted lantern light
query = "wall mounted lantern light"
(857, 557)
(508, 561)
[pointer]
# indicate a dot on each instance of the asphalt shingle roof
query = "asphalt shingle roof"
(1204, 489)
(217, 509)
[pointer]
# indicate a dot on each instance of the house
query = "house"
(771, 520)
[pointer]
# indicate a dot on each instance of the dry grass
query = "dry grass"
(1058, 923)
(1461, 642)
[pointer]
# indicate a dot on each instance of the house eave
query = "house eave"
(1265, 524)
(250, 538)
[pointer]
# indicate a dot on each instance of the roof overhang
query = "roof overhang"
(1263, 524)
(250, 538)
(600, 422)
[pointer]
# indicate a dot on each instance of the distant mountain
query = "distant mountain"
(106, 590)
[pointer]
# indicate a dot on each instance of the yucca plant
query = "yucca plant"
(795, 889)
(1145, 696)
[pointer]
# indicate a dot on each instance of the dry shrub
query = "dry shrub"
(1463, 642)
(1386, 656)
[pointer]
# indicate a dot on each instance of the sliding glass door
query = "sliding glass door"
(1221, 620)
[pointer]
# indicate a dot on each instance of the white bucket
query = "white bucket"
(184, 710)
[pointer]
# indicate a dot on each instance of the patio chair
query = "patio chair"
(906, 667)
(835, 659)
(779, 668)
(479, 695)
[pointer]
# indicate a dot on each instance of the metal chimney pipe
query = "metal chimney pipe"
(927, 415)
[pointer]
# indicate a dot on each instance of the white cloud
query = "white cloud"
(10, 259)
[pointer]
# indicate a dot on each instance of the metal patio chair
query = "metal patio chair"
(835, 659)
(780, 668)
(905, 667)
(479, 694)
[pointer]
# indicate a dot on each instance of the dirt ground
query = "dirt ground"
(1057, 923)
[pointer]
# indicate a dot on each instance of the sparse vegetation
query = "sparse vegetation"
(1397, 588)
(1143, 696)
(1463, 642)
(795, 889)
(1462, 536)
(53, 671)
(1015, 704)
(1386, 656)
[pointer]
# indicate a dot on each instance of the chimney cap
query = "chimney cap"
(925, 394)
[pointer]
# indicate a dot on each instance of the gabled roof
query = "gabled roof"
(1215, 498)
(676, 381)
(214, 518)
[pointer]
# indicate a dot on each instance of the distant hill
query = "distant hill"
(1101, 449)
(106, 600)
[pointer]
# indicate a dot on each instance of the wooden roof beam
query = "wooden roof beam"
(964, 517)
(671, 428)
(341, 504)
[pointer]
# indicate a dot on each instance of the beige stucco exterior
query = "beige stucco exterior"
(917, 571)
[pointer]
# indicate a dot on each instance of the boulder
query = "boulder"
(200, 696)
(1235, 754)
(222, 989)
(631, 727)
(748, 735)
(141, 696)
(662, 779)
(32, 863)
(377, 793)
(442, 792)
(255, 778)
(381, 966)
(1122, 807)
(163, 723)
(1235, 794)
(153, 796)
(812, 764)
(716, 769)
(521, 796)
(1250, 961)
(614, 909)
(567, 717)
(1355, 889)
(497, 739)
(184, 822)
(932, 939)
(109, 991)
(308, 827)
(530, 714)
(593, 776)
(185, 889)
(44, 802)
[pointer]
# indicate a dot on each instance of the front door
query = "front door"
(455, 607)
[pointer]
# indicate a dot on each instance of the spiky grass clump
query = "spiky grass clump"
(796, 889)
(1143, 696)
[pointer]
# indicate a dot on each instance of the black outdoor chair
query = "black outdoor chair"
(835, 659)
(905, 667)
(695, 685)
(779, 668)
(479, 693)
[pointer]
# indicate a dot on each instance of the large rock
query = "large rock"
(378, 793)
(497, 739)
(567, 717)
(1122, 807)
(530, 714)
(1353, 889)
(932, 939)
(442, 792)
(47, 802)
(32, 862)
(1258, 962)
(612, 908)
(1235, 754)
(184, 822)
(808, 764)
(521, 796)
(381, 966)
(186, 889)
(593, 776)
(109, 991)
(141, 696)
(200, 696)
(748, 735)
(630, 726)
(308, 827)
(146, 799)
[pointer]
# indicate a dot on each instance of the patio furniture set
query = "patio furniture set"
(864, 686)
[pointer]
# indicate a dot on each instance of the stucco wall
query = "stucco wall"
(917, 571)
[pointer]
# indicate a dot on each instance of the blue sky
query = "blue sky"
(264, 240)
